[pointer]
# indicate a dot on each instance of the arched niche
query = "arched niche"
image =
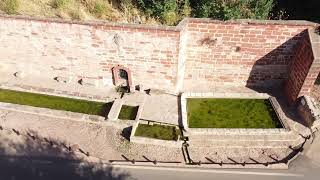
(122, 77)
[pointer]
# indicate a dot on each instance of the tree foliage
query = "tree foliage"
(171, 11)
(232, 9)
(167, 11)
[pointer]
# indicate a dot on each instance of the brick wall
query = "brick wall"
(196, 55)
(305, 66)
(51, 48)
(226, 53)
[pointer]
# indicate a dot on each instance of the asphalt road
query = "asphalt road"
(24, 168)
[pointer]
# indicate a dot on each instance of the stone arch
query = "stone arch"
(122, 76)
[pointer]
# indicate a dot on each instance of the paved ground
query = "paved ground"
(104, 142)
(161, 108)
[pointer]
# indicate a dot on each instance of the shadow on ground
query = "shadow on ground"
(30, 156)
(126, 132)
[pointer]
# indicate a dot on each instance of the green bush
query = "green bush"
(99, 8)
(232, 9)
(60, 3)
(10, 6)
(167, 11)
(170, 12)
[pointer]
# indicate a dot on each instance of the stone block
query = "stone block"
(89, 82)
(115, 110)
(62, 79)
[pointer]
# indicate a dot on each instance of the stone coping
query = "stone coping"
(254, 21)
(146, 165)
(233, 131)
(115, 110)
(177, 28)
(152, 141)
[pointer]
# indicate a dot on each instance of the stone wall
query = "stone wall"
(198, 54)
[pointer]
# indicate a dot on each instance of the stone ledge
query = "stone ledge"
(51, 112)
(253, 21)
(236, 131)
(115, 110)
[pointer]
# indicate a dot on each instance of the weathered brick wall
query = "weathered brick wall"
(231, 53)
(197, 55)
(75, 51)
(305, 66)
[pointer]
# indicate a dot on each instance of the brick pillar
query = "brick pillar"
(304, 68)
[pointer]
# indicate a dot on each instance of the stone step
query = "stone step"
(115, 110)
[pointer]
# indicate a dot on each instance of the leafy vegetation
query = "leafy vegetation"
(99, 8)
(232, 9)
(231, 113)
(55, 102)
(60, 3)
(168, 12)
(172, 11)
(128, 112)
(158, 131)
(10, 6)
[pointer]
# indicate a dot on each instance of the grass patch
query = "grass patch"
(55, 102)
(158, 132)
(99, 8)
(128, 112)
(58, 4)
(10, 6)
(231, 113)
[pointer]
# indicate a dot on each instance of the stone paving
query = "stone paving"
(107, 142)
(102, 141)
(161, 108)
